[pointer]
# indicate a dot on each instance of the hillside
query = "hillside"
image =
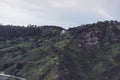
(86, 52)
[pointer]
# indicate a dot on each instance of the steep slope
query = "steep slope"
(87, 52)
(32, 57)
(93, 52)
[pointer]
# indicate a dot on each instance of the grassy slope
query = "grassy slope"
(82, 53)
(34, 59)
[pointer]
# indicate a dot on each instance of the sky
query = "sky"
(65, 13)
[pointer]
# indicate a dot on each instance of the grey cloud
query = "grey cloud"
(58, 12)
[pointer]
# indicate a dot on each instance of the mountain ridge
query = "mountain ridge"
(86, 52)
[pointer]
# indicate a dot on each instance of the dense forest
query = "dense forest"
(86, 52)
(8, 32)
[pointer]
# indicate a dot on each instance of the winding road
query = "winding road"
(6, 75)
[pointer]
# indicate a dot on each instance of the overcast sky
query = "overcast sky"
(66, 13)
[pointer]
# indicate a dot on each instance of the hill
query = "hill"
(86, 52)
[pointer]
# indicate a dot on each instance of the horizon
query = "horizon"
(58, 25)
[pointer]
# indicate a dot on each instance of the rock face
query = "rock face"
(87, 52)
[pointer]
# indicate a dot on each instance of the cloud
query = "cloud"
(58, 12)
(105, 15)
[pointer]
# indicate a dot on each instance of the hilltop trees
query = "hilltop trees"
(8, 32)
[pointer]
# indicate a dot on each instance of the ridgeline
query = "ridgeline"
(86, 52)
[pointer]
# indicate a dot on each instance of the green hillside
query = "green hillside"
(86, 52)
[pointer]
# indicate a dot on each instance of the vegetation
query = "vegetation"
(87, 52)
